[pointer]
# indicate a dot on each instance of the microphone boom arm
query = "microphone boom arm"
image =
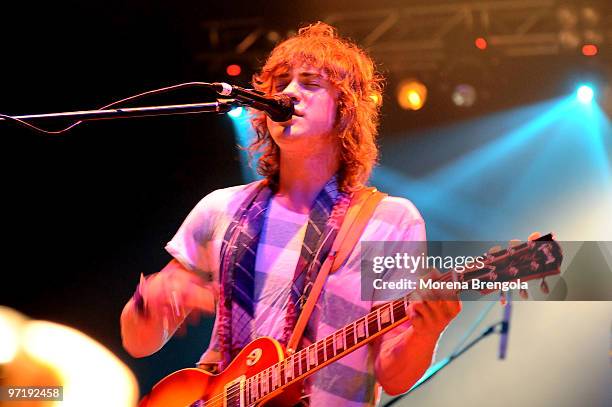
(220, 106)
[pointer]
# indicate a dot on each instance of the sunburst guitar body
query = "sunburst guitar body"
(198, 388)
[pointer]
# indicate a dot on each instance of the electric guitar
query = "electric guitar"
(264, 374)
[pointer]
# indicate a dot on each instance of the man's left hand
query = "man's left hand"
(435, 309)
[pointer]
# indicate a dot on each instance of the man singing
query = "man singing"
(238, 252)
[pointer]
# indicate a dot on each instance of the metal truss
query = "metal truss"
(424, 37)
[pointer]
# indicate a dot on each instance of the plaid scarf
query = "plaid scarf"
(239, 251)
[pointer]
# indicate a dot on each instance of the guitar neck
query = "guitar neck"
(310, 359)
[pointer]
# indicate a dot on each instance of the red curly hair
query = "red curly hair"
(359, 87)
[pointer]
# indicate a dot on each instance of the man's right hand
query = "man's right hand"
(175, 291)
(167, 298)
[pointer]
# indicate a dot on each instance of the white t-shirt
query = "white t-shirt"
(350, 381)
(278, 252)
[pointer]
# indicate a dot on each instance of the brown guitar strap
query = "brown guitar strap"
(361, 208)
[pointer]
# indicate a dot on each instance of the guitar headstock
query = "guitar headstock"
(526, 261)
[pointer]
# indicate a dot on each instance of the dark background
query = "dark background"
(86, 212)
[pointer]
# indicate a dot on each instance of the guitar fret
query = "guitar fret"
(255, 388)
(347, 337)
(398, 310)
(371, 323)
(247, 389)
(378, 318)
(295, 366)
(277, 381)
(264, 382)
(344, 338)
(259, 386)
(313, 356)
(391, 312)
(299, 363)
(338, 343)
(324, 349)
(360, 330)
(289, 369)
(334, 343)
(355, 331)
(384, 315)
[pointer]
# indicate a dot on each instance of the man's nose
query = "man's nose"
(293, 91)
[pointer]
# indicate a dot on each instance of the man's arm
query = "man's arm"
(404, 354)
(167, 298)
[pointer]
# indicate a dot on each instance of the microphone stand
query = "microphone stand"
(435, 369)
(220, 106)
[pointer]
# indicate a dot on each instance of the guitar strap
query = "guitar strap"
(362, 206)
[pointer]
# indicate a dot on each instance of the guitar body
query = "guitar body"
(187, 386)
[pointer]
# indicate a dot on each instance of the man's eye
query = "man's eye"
(280, 86)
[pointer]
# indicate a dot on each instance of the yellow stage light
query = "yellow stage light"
(411, 94)
(42, 353)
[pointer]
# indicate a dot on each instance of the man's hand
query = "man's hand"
(160, 305)
(404, 353)
(435, 309)
(175, 291)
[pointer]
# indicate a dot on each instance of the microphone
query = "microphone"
(278, 107)
(505, 327)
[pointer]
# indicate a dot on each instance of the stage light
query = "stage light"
(273, 36)
(10, 321)
(43, 353)
(411, 94)
(585, 94)
(236, 112)
(589, 50)
(481, 43)
(233, 70)
(464, 95)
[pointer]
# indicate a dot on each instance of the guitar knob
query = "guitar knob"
(544, 287)
(524, 294)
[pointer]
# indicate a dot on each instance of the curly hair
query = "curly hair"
(352, 72)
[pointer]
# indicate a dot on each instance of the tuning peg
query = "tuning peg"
(494, 249)
(513, 271)
(544, 287)
(534, 236)
(524, 294)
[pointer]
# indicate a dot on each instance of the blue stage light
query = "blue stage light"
(585, 94)
(236, 112)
